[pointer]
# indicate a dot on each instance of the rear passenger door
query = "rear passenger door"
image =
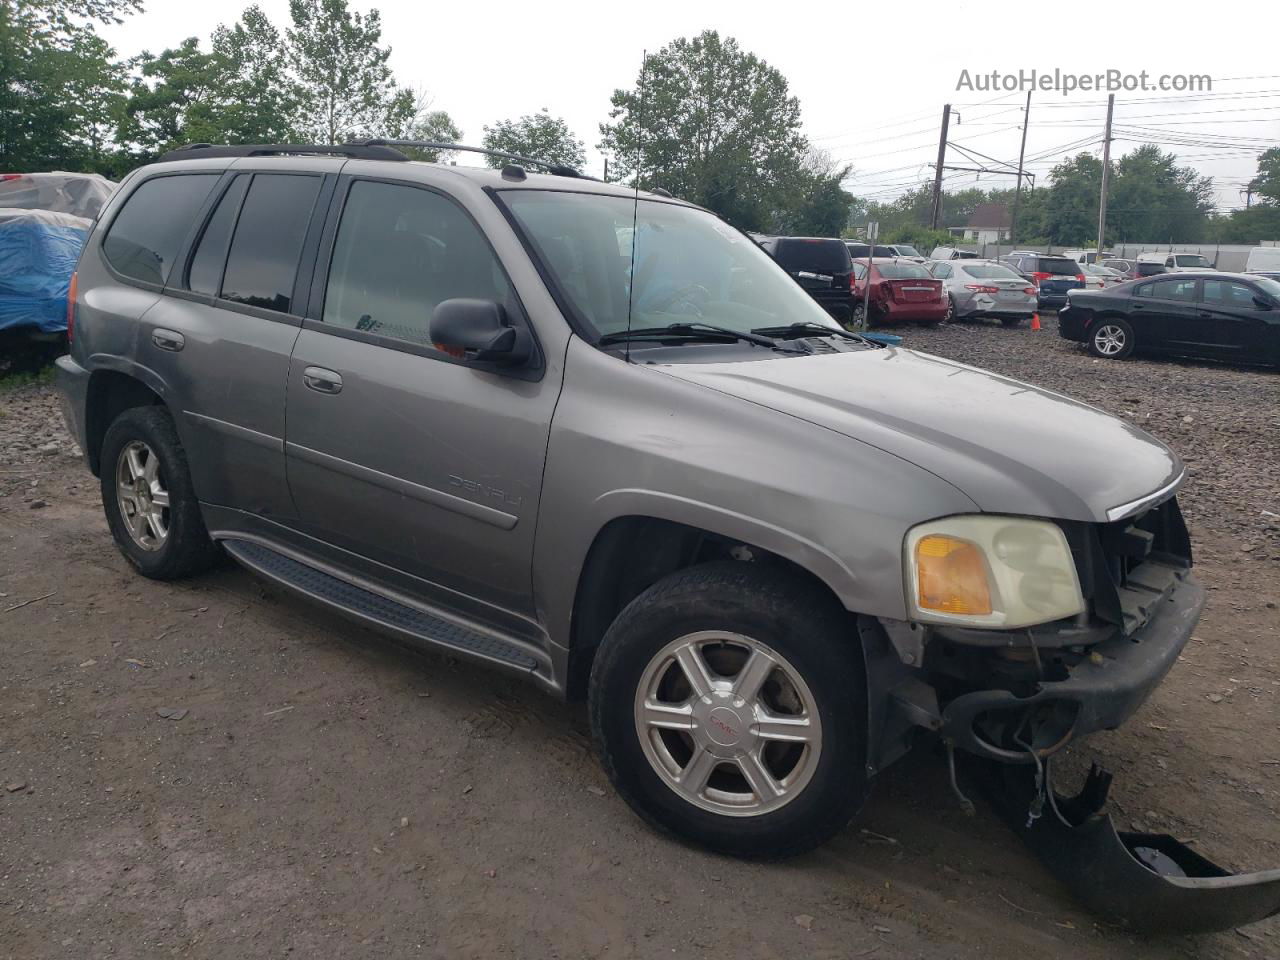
(222, 335)
(1233, 320)
(397, 452)
(1168, 317)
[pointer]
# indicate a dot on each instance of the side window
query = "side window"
(1143, 289)
(263, 261)
(145, 235)
(1229, 294)
(1212, 292)
(1175, 290)
(205, 273)
(399, 253)
(942, 270)
(1168, 262)
(859, 270)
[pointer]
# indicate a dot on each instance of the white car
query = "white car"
(1179, 262)
(985, 288)
(1264, 261)
(1096, 277)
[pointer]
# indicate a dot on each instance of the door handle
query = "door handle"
(1204, 314)
(168, 340)
(321, 380)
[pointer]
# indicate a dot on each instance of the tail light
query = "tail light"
(981, 288)
(71, 307)
(1029, 291)
(1080, 277)
(1037, 277)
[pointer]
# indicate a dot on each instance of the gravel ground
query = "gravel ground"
(215, 769)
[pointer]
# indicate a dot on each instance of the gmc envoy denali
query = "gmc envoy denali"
(598, 438)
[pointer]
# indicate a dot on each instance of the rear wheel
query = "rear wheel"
(728, 704)
(1111, 338)
(951, 309)
(148, 497)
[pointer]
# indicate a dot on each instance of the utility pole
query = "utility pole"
(1106, 173)
(1017, 187)
(936, 212)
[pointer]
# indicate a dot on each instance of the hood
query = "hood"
(1009, 446)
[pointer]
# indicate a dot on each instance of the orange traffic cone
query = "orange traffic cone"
(1035, 321)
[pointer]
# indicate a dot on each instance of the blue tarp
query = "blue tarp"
(38, 252)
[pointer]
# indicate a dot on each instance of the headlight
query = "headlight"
(990, 571)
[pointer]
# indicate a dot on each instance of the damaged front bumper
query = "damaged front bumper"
(1099, 692)
(1147, 882)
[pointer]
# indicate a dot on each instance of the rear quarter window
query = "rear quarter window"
(145, 235)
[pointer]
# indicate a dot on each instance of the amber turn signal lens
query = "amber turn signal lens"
(952, 576)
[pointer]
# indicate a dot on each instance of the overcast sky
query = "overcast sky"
(871, 78)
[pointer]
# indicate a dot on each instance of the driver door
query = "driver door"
(395, 451)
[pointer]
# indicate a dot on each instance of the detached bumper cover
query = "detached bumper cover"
(1107, 688)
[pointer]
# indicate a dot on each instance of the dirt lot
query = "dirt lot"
(329, 795)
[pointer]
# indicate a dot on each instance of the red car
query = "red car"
(900, 291)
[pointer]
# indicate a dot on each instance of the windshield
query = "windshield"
(1191, 260)
(1059, 268)
(903, 271)
(1267, 285)
(906, 250)
(989, 271)
(826, 256)
(690, 266)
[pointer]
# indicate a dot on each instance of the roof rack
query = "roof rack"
(555, 169)
(355, 151)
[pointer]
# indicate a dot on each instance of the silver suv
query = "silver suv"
(601, 440)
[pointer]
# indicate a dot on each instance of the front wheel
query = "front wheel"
(1111, 339)
(728, 704)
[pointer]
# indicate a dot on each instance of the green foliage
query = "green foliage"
(922, 238)
(713, 124)
(60, 90)
(259, 98)
(1152, 198)
(1071, 208)
(539, 136)
(345, 88)
(432, 125)
(815, 204)
(1266, 185)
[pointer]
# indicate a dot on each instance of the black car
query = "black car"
(1052, 276)
(821, 265)
(1223, 315)
(860, 251)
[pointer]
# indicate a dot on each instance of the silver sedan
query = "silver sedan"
(985, 288)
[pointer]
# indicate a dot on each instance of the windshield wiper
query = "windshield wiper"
(807, 329)
(694, 332)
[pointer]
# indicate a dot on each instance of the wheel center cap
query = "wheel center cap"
(724, 727)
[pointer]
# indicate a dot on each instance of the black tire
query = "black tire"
(951, 310)
(858, 316)
(186, 549)
(1101, 340)
(796, 619)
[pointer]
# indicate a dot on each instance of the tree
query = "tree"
(174, 99)
(1071, 208)
(60, 87)
(345, 88)
(1152, 198)
(435, 126)
(259, 98)
(1266, 185)
(712, 124)
(817, 205)
(539, 136)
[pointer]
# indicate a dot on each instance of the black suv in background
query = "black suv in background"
(1052, 276)
(821, 265)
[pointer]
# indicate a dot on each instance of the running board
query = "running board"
(377, 610)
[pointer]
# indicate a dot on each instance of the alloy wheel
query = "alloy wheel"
(728, 723)
(142, 495)
(1109, 340)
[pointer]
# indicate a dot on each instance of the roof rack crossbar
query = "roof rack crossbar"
(354, 151)
(555, 169)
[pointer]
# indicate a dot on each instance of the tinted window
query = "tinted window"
(145, 235)
(1149, 269)
(211, 251)
(1270, 286)
(400, 252)
(902, 271)
(1191, 260)
(1175, 290)
(861, 249)
(1229, 294)
(1143, 289)
(827, 256)
(1058, 266)
(263, 262)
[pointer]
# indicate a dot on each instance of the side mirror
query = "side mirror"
(478, 330)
